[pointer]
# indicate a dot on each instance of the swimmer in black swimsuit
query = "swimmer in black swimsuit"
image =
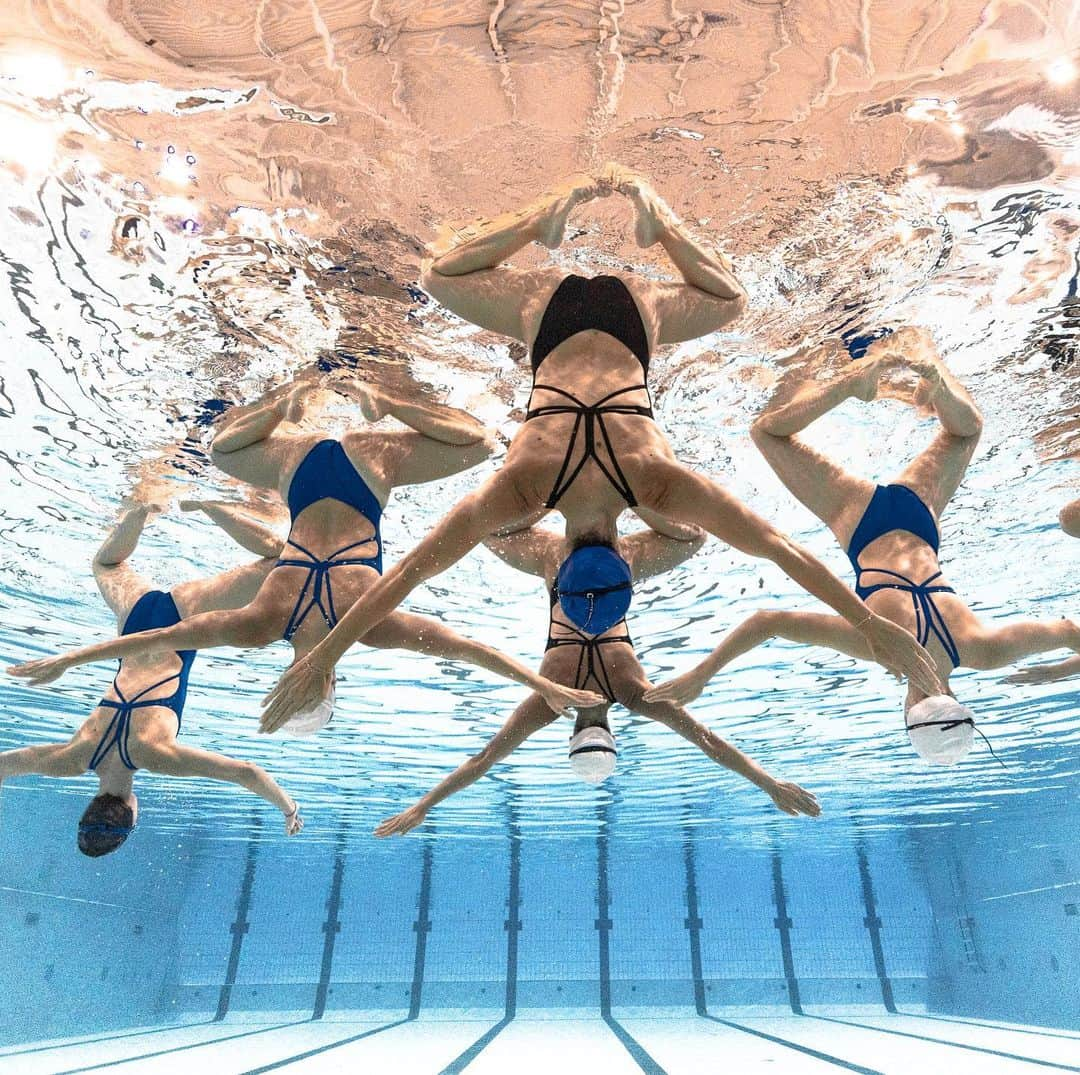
(335, 491)
(137, 724)
(601, 659)
(589, 445)
(890, 534)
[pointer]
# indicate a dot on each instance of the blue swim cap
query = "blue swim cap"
(594, 588)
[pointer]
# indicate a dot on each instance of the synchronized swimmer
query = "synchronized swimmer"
(589, 448)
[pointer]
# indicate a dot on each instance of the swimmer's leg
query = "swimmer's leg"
(245, 445)
(937, 472)
(236, 521)
(120, 584)
(837, 497)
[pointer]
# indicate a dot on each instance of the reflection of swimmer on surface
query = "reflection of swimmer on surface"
(335, 491)
(589, 445)
(136, 724)
(890, 533)
(590, 583)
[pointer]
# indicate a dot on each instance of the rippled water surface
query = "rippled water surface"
(200, 200)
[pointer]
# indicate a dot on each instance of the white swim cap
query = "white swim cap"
(312, 720)
(941, 730)
(593, 754)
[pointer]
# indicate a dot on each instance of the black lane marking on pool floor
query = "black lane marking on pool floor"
(872, 922)
(297, 1057)
(512, 925)
(788, 1044)
(181, 1048)
(1006, 1029)
(636, 1050)
(331, 927)
(782, 922)
(945, 1041)
(694, 925)
(240, 927)
(421, 927)
(105, 1037)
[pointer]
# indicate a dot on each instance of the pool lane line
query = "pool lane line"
(421, 927)
(694, 925)
(946, 1041)
(331, 927)
(604, 924)
(240, 927)
(872, 922)
(783, 923)
(104, 1037)
(297, 1057)
(1057, 1032)
(181, 1048)
(512, 925)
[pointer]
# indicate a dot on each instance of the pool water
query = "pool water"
(200, 201)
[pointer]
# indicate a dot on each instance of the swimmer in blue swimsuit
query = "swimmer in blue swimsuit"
(589, 446)
(601, 658)
(889, 532)
(137, 724)
(335, 490)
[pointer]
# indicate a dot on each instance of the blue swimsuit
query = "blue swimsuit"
(326, 474)
(155, 608)
(896, 507)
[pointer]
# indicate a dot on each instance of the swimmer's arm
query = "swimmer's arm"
(809, 628)
(1005, 645)
(240, 627)
(650, 553)
(47, 759)
(1047, 673)
(788, 797)
(524, 722)
(179, 760)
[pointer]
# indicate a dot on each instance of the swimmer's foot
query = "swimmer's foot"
(564, 199)
(374, 404)
(653, 214)
(294, 402)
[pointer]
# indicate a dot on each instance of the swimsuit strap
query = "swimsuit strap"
(928, 617)
(591, 416)
(119, 728)
(317, 583)
(590, 657)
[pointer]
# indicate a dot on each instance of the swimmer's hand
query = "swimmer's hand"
(681, 690)
(402, 823)
(792, 799)
(563, 700)
(897, 651)
(41, 671)
(302, 687)
(1046, 673)
(294, 823)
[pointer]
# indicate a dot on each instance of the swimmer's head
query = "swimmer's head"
(594, 587)
(106, 823)
(593, 754)
(941, 730)
(310, 721)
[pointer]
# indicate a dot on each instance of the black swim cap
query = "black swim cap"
(106, 823)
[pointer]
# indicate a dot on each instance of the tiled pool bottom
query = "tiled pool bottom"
(626, 1042)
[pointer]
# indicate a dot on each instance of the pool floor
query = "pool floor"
(631, 1042)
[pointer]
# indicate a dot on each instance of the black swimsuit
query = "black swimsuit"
(603, 304)
(590, 664)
